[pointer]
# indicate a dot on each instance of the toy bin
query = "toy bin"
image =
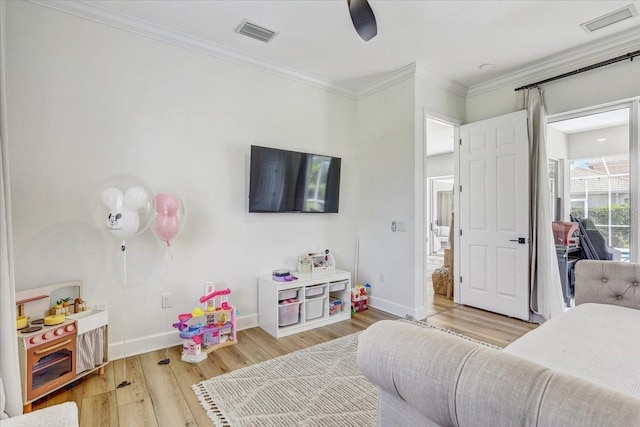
(335, 306)
(288, 294)
(288, 312)
(313, 291)
(338, 286)
(314, 308)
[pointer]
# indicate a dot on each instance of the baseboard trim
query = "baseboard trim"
(163, 340)
(397, 309)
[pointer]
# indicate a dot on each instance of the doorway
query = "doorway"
(439, 196)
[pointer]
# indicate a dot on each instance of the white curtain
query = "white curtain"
(9, 368)
(546, 289)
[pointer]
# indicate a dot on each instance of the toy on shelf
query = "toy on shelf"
(360, 298)
(316, 261)
(207, 328)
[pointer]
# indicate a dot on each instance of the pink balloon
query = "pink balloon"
(169, 217)
(167, 204)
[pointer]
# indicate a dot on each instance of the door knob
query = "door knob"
(520, 240)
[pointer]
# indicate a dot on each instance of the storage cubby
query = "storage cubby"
(287, 308)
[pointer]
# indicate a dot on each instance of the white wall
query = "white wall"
(603, 85)
(87, 102)
(392, 187)
(386, 178)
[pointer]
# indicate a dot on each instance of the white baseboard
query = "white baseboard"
(397, 309)
(163, 340)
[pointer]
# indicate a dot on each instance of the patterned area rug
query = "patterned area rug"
(318, 386)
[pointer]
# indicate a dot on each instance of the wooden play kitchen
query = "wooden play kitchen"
(58, 343)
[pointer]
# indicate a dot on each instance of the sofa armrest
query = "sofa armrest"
(419, 365)
(62, 415)
(607, 282)
(453, 381)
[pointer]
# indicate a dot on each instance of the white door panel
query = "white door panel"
(494, 214)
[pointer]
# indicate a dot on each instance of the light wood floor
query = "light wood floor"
(161, 395)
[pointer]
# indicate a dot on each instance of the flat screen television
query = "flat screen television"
(291, 181)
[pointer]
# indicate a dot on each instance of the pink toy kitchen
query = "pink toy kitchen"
(60, 339)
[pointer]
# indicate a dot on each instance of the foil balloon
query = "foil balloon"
(170, 217)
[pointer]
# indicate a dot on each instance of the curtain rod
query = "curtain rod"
(620, 58)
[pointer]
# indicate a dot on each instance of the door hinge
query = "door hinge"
(460, 279)
(461, 231)
(461, 188)
(460, 140)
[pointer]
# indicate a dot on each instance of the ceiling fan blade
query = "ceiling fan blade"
(363, 19)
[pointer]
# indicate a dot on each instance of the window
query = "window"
(596, 174)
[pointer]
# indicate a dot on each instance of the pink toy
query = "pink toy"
(214, 294)
(208, 329)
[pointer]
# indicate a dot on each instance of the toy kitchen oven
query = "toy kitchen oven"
(50, 353)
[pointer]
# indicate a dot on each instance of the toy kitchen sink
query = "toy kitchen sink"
(89, 320)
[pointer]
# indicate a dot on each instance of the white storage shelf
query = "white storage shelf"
(312, 292)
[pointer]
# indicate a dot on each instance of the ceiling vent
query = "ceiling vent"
(609, 19)
(255, 31)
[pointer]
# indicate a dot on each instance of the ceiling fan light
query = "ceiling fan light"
(364, 21)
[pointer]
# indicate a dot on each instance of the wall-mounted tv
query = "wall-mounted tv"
(291, 181)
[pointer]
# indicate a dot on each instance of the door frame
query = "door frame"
(456, 123)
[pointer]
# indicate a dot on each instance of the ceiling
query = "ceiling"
(448, 39)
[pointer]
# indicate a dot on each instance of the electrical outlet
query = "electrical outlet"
(166, 300)
(382, 277)
(101, 306)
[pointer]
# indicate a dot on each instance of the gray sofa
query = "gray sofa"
(581, 368)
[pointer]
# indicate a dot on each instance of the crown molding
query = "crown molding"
(92, 12)
(410, 71)
(450, 85)
(562, 61)
(391, 79)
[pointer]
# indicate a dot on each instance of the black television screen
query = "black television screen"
(290, 181)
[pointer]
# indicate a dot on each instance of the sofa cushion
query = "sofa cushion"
(596, 342)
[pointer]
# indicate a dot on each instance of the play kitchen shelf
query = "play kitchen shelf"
(58, 345)
(309, 302)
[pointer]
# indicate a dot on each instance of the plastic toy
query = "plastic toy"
(207, 328)
(360, 298)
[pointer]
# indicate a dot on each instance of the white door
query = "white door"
(494, 215)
